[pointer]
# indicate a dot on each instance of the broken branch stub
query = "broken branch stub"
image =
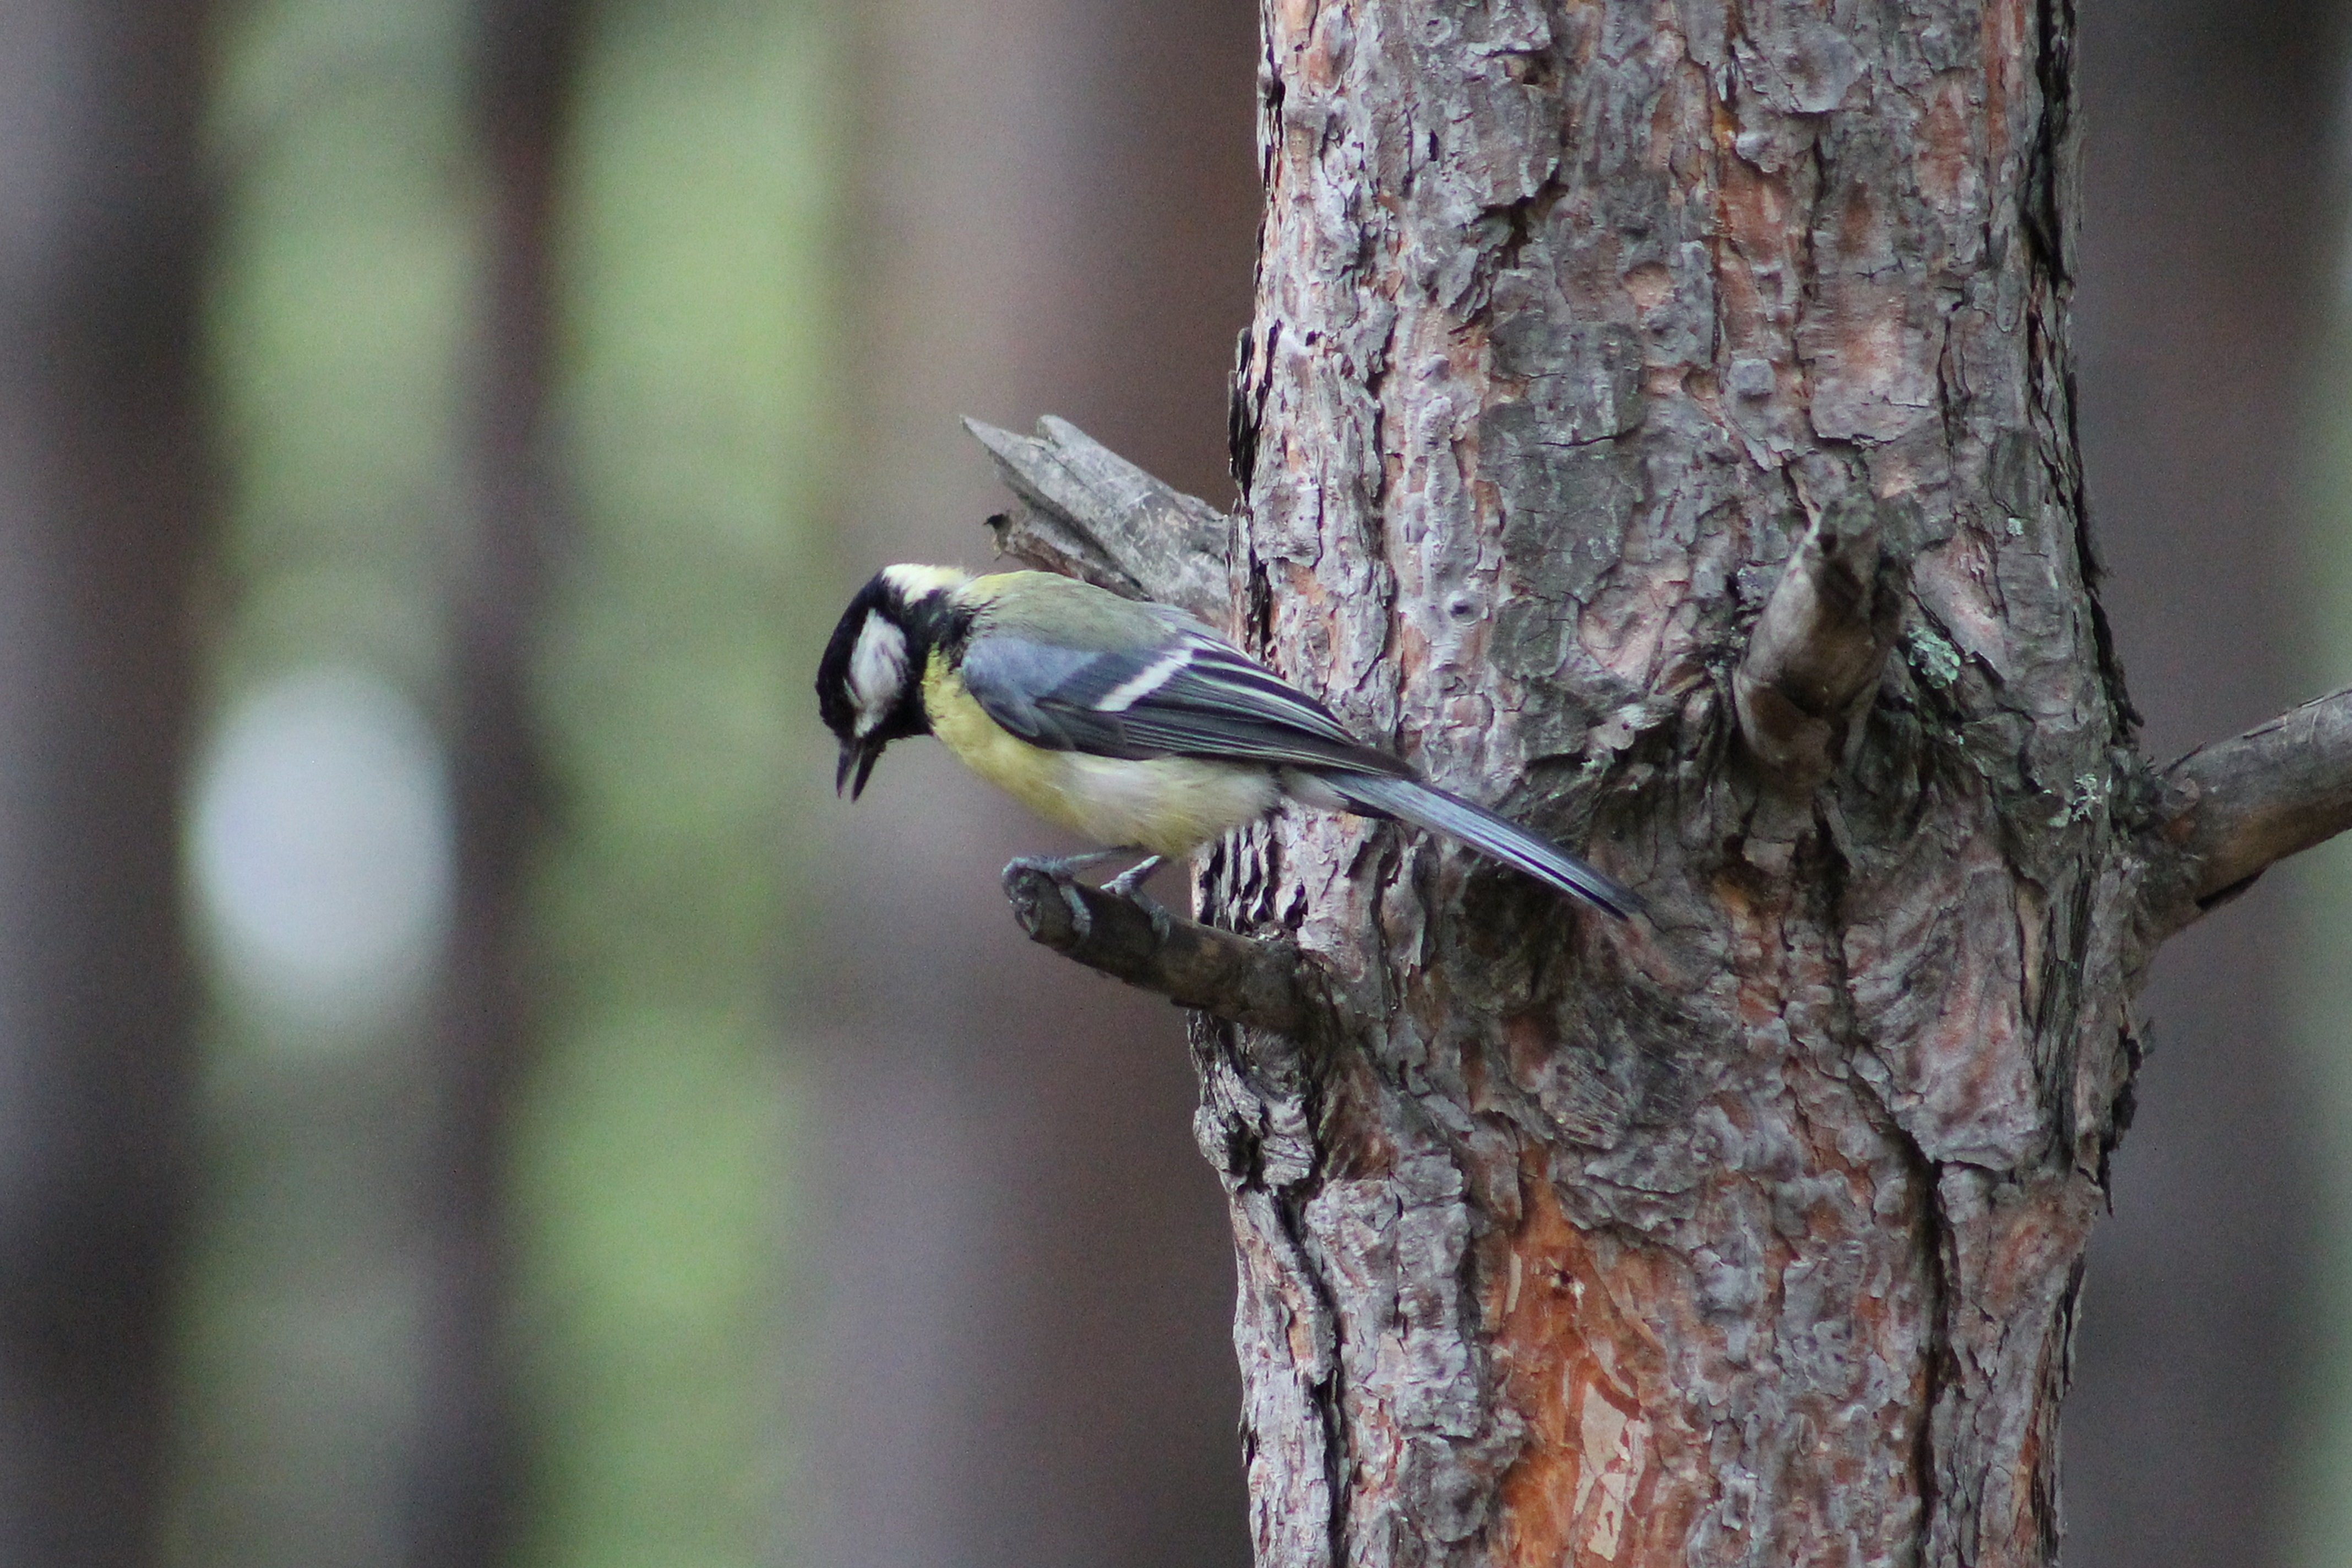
(1814, 657)
(2231, 810)
(1082, 510)
(1244, 980)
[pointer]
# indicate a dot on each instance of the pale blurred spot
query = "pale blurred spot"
(321, 847)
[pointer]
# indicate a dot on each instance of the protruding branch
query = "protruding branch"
(1261, 985)
(1082, 510)
(1815, 655)
(2232, 810)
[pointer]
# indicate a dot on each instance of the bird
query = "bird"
(1130, 724)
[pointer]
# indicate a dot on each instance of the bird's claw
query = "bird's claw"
(1126, 883)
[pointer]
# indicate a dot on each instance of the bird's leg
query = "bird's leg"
(1128, 885)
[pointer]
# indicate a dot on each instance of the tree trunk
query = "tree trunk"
(1659, 425)
(1752, 1232)
(468, 1470)
(103, 511)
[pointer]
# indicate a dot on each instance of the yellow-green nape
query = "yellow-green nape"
(913, 582)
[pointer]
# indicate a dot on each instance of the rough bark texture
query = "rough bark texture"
(1751, 1235)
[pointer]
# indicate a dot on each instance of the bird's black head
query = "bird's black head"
(869, 685)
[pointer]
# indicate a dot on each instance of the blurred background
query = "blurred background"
(468, 1095)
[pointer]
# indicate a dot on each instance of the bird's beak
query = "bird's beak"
(857, 759)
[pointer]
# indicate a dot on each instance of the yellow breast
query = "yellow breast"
(1169, 806)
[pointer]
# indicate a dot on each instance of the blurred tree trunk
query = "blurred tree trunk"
(2211, 215)
(1028, 1365)
(470, 1465)
(1751, 1233)
(101, 511)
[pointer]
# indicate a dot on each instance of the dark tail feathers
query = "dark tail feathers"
(1427, 807)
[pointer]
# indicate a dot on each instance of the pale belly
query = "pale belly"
(1169, 806)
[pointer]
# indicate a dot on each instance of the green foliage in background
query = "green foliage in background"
(342, 302)
(650, 1177)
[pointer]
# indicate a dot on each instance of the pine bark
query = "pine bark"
(1752, 1232)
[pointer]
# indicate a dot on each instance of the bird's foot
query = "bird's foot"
(1061, 867)
(1062, 870)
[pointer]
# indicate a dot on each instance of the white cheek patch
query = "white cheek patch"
(877, 671)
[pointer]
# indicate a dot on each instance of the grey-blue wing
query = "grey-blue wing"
(1192, 696)
(1197, 696)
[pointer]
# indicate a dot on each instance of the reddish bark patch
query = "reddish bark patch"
(1597, 1482)
(1946, 161)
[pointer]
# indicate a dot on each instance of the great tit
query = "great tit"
(1132, 723)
